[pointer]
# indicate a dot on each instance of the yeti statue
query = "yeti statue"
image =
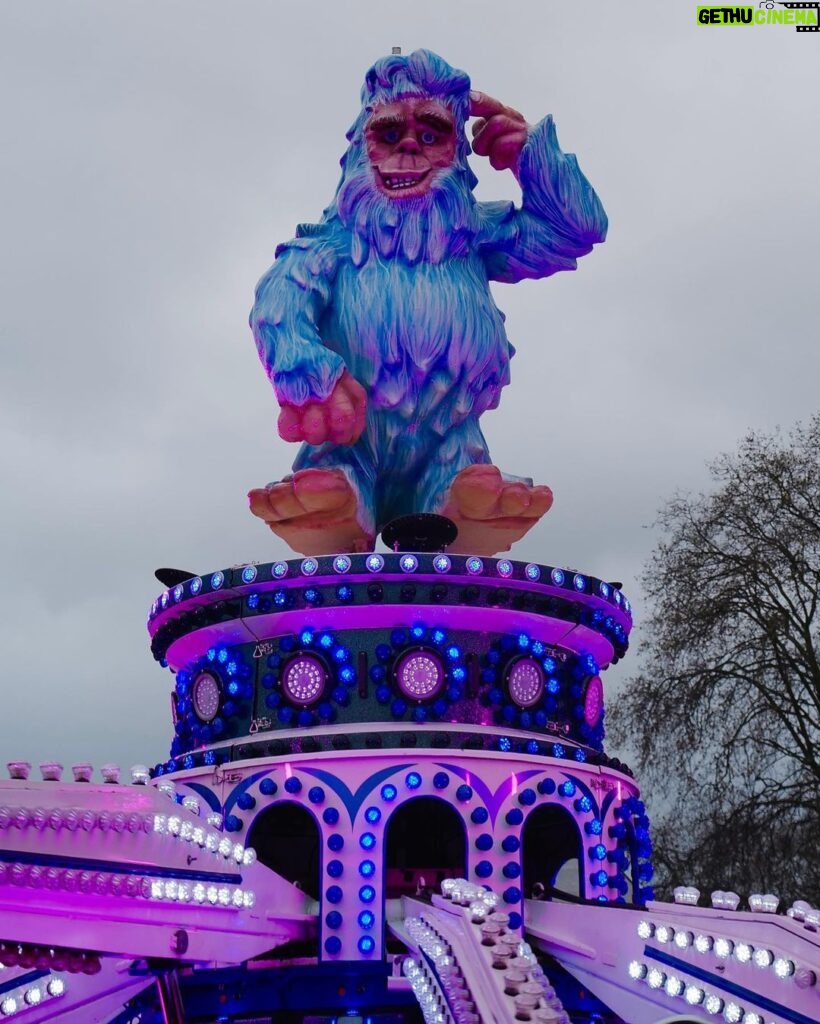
(377, 327)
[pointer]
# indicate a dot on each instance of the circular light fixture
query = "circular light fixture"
(525, 681)
(420, 674)
(206, 695)
(593, 701)
(304, 679)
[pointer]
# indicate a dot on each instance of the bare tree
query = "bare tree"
(725, 713)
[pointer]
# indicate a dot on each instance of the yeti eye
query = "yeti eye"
(391, 135)
(428, 138)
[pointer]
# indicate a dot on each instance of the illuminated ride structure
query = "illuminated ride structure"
(388, 799)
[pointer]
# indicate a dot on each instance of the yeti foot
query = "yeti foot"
(313, 511)
(492, 513)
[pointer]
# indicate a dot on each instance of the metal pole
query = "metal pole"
(170, 998)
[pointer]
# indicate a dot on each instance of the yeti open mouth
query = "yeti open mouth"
(402, 180)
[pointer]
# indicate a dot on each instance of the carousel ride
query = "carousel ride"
(387, 798)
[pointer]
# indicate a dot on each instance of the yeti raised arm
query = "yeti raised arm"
(377, 327)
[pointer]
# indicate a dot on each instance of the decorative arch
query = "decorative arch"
(425, 838)
(287, 839)
(552, 851)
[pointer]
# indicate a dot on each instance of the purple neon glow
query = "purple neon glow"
(420, 675)
(304, 679)
(593, 701)
(526, 682)
(205, 695)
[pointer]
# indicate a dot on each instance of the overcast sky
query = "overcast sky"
(154, 154)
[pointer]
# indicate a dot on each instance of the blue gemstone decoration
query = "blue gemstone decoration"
(335, 868)
(532, 745)
(598, 852)
(311, 595)
(515, 920)
(417, 632)
(557, 576)
(367, 894)
(511, 870)
(604, 589)
(441, 563)
(335, 842)
(438, 636)
(316, 795)
(484, 842)
(567, 788)
(246, 802)
(344, 593)
(464, 793)
(512, 895)
(232, 823)
(504, 743)
(413, 780)
(474, 566)
(341, 563)
(504, 568)
(479, 815)
(333, 919)
(409, 563)
(441, 780)
(514, 817)
(533, 572)
(249, 574)
(306, 637)
(388, 793)
(367, 869)
(484, 869)
(196, 585)
(372, 815)
(510, 844)
(366, 945)
(309, 566)
(280, 597)
(222, 656)
(178, 592)
(293, 785)
(164, 600)
(333, 945)
(330, 816)
(367, 841)
(217, 580)
(579, 582)
(366, 919)
(279, 570)
(253, 602)
(594, 827)
(527, 797)
(375, 563)
(553, 686)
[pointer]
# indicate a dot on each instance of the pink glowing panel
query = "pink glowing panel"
(526, 682)
(206, 695)
(593, 701)
(420, 675)
(304, 679)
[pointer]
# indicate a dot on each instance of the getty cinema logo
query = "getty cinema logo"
(804, 16)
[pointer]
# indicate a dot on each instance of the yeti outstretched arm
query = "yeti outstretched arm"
(319, 399)
(560, 218)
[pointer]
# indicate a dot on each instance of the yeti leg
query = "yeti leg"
(326, 506)
(491, 510)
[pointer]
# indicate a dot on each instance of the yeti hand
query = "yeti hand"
(499, 133)
(340, 418)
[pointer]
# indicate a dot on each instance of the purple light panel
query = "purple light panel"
(526, 682)
(420, 675)
(304, 679)
(205, 695)
(593, 701)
